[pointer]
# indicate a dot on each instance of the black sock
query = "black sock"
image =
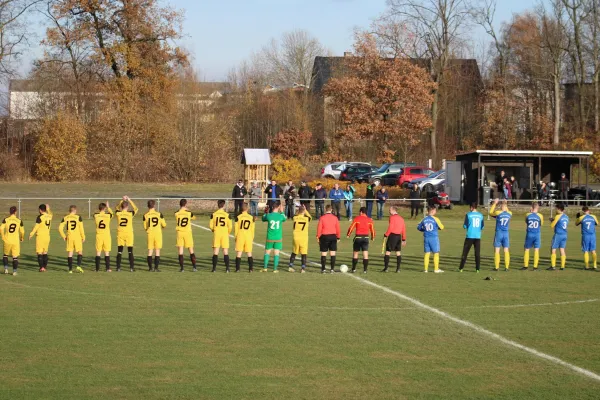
(332, 263)
(193, 260)
(323, 262)
(386, 262)
(215, 259)
(292, 258)
(15, 264)
(45, 257)
(149, 261)
(354, 262)
(365, 264)
(398, 261)
(97, 263)
(70, 263)
(40, 260)
(107, 262)
(119, 256)
(79, 259)
(5, 261)
(226, 259)
(238, 263)
(130, 251)
(251, 263)
(181, 261)
(156, 262)
(304, 260)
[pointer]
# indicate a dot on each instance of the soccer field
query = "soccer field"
(202, 335)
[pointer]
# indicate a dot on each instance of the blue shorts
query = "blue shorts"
(501, 239)
(559, 242)
(432, 245)
(532, 241)
(588, 243)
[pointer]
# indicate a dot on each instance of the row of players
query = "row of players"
(328, 234)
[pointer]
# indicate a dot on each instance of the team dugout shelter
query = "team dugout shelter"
(471, 172)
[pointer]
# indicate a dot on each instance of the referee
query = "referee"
(328, 234)
(394, 239)
(364, 231)
(474, 225)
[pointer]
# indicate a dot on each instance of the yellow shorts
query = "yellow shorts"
(75, 245)
(185, 240)
(125, 239)
(42, 244)
(221, 241)
(243, 244)
(12, 249)
(300, 246)
(155, 241)
(103, 243)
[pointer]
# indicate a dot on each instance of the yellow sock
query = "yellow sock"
(536, 258)
(553, 260)
(586, 259)
(506, 259)
(436, 261)
(563, 261)
(526, 259)
(427, 261)
(595, 258)
(497, 260)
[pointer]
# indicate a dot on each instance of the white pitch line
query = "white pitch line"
(585, 372)
(559, 303)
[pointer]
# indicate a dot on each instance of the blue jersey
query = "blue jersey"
(534, 223)
(560, 225)
(430, 226)
(502, 218)
(473, 224)
(588, 224)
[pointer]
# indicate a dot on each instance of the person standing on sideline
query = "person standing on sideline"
(370, 196)
(348, 200)
(328, 235)
(336, 195)
(238, 193)
(305, 192)
(382, 197)
(394, 239)
(588, 224)
(320, 196)
(365, 230)
(534, 221)
(255, 195)
(514, 188)
(559, 240)
(501, 237)
(507, 189)
(563, 189)
(290, 198)
(288, 185)
(500, 183)
(273, 192)
(415, 202)
(474, 225)
(430, 225)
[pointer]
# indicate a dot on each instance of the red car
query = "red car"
(410, 173)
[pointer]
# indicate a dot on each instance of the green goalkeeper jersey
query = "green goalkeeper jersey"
(275, 226)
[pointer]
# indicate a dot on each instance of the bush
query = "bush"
(285, 169)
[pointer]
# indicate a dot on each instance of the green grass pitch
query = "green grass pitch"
(211, 336)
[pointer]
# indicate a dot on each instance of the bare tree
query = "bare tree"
(13, 32)
(484, 13)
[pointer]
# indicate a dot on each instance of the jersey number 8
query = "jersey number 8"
(12, 228)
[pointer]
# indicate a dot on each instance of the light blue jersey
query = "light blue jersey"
(473, 224)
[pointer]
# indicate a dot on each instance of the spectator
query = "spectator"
(348, 200)
(305, 193)
(382, 197)
(255, 195)
(287, 186)
(500, 184)
(563, 188)
(320, 196)
(290, 198)
(543, 191)
(370, 196)
(238, 193)
(507, 188)
(514, 188)
(273, 192)
(336, 195)
(416, 205)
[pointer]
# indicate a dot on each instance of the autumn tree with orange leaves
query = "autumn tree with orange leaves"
(385, 101)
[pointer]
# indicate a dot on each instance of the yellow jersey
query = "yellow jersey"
(42, 225)
(244, 225)
(154, 221)
(102, 220)
(12, 230)
(220, 223)
(301, 224)
(74, 226)
(184, 218)
(125, 218)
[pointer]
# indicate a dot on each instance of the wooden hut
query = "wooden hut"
(256, 166)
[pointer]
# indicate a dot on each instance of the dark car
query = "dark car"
(387, 175)
(354, 173)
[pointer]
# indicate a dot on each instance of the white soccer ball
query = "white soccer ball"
(344, 268)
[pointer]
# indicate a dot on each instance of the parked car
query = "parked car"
(354, 173)
(430, 183)
(410, 173)
(333, 170)
(387, 175)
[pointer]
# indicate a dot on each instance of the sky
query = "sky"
(222, 33)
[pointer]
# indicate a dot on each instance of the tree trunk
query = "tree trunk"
(434, 118)
(556, 139)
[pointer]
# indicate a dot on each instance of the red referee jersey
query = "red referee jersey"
(363, 225)
(396, 226)
(329, 224)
